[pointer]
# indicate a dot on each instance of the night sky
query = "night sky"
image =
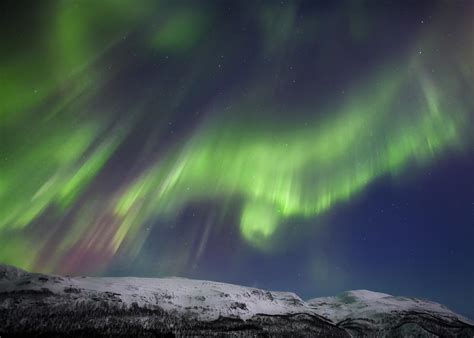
(306, 146)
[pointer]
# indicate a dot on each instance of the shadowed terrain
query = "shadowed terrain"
(50, 305)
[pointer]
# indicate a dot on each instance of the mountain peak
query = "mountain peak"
(9, 272)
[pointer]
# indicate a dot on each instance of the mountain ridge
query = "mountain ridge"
(34, 303)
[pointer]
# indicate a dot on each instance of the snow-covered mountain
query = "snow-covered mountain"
(47, 304)
(364, 312)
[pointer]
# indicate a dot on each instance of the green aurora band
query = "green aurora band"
(299, 173)
(55, 143)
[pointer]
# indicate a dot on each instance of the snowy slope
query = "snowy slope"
(8, 272)
(41, 304)
(160, 305)
(206, 300)
(375, 311)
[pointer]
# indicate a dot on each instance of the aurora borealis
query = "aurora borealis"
(222, 139)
